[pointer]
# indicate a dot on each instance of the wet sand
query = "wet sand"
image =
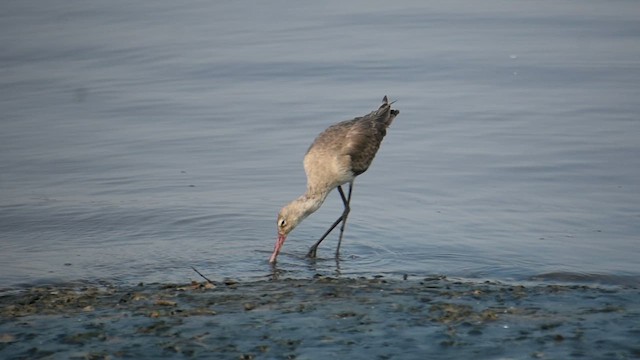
(319, 318)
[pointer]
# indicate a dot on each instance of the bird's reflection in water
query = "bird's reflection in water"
(314, 265)
(318, 266)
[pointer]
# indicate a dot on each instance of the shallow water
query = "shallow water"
(141, 139)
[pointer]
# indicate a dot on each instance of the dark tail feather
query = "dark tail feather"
(386, 113)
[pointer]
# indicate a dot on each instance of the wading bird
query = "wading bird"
(339, 154)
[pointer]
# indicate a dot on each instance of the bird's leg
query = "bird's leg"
(314, 248)
(347, 208)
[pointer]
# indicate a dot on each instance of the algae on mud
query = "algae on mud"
(311, 319)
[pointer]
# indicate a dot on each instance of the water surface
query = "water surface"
(140, 139)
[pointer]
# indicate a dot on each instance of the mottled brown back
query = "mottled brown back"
(359, 138)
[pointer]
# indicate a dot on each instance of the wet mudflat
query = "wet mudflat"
(361, 318)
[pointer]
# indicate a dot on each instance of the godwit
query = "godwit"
(339, 154)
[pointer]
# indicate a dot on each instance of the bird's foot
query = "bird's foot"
(312, 252)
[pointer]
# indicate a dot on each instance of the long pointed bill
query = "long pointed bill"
(276, 249)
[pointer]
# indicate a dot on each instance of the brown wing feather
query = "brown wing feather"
(365, 135)
(358, 138)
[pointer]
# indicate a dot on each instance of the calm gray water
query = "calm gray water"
(139, 139)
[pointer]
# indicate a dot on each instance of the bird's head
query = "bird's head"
(288, 218)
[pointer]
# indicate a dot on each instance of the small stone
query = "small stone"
(7, 338)
(163, 302)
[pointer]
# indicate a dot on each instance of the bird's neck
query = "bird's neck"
(310, 202)
(306, 204)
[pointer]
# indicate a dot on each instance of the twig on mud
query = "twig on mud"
(204, 277)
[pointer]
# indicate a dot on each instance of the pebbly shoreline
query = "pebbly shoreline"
(356, 318)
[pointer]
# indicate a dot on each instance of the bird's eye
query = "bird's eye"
(282, 223)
